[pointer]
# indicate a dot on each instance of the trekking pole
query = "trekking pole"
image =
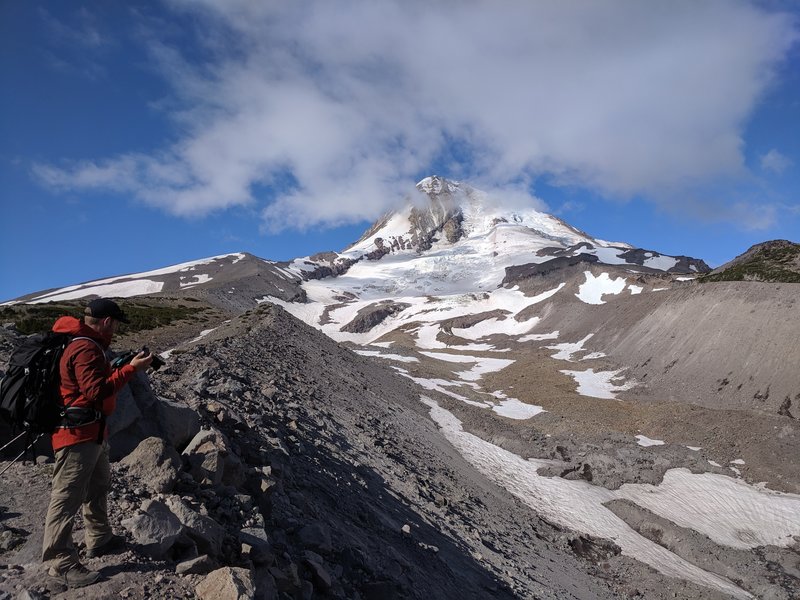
(12, 441)
(18, 456)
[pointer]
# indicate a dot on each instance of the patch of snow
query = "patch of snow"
(694, 448)
(646, 441)
(593, 355)
(686, 278)
(598, 385)
(635, 289)
(494, 326)
(566, 350)
(122, 289)
(203, 334)
(738, 461)
(194, 280)
(480, 348)
(594, 288)
(382, 344)
(537, 337)
(662, 263)
(428, 337)
(397, 357)
(659, 289)
(125, 286)
(484, 366)
(514, 409)
(609, 256)
(727, 510)
(456, 358)
(441, 385)
(714, 463)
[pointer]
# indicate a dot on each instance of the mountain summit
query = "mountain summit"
(447, 212)
(462, 240)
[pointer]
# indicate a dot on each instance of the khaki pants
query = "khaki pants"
(82, 476)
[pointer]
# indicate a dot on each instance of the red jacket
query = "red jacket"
(87, 380)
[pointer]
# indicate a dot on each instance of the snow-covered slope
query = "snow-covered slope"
(454, 251)
(451, 238)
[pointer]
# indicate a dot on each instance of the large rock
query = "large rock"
(316, 536)
(206, 533)
(230, 583)
(201, 564)
(255, 544)
(212, 461)
(156, 529)
(178, 422)
(126, 412)
(156, 464)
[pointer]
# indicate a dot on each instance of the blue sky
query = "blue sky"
(138, 135)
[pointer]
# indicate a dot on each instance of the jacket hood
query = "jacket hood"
(76, 327)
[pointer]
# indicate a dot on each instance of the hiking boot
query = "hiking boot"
(116, 542)
(76, 576)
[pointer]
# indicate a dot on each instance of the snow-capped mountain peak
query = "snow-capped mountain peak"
(448, 212)
(460, 234)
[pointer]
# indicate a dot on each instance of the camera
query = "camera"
(126, 357)
(157, 363)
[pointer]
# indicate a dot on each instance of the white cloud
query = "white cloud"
(83, 29)
(354, 100)
(775, 161)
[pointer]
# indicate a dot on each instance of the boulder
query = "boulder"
(206, 533)
(156, 464)
(126, 412)
(177, 422)
(201, 564)
(231, 583)
(212, 461)
(156, 529)
(255, 544)
(316, 536)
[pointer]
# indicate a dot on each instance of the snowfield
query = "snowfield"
(728, 511)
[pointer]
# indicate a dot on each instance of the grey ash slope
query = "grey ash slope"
(363, 458)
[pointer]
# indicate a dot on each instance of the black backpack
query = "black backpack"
(29, 390)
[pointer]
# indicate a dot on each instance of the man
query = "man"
(82, 474)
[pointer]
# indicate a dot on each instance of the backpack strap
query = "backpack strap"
(95, 342)
(102, 351)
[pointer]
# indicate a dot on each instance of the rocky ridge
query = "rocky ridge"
(773, 261)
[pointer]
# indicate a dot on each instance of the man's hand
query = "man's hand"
(142, 360)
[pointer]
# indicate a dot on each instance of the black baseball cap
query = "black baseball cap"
(103, 307)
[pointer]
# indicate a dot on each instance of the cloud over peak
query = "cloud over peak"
(353, 101)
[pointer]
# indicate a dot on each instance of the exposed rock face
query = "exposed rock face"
(373, 315)
(684, 264)
(563, 265)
